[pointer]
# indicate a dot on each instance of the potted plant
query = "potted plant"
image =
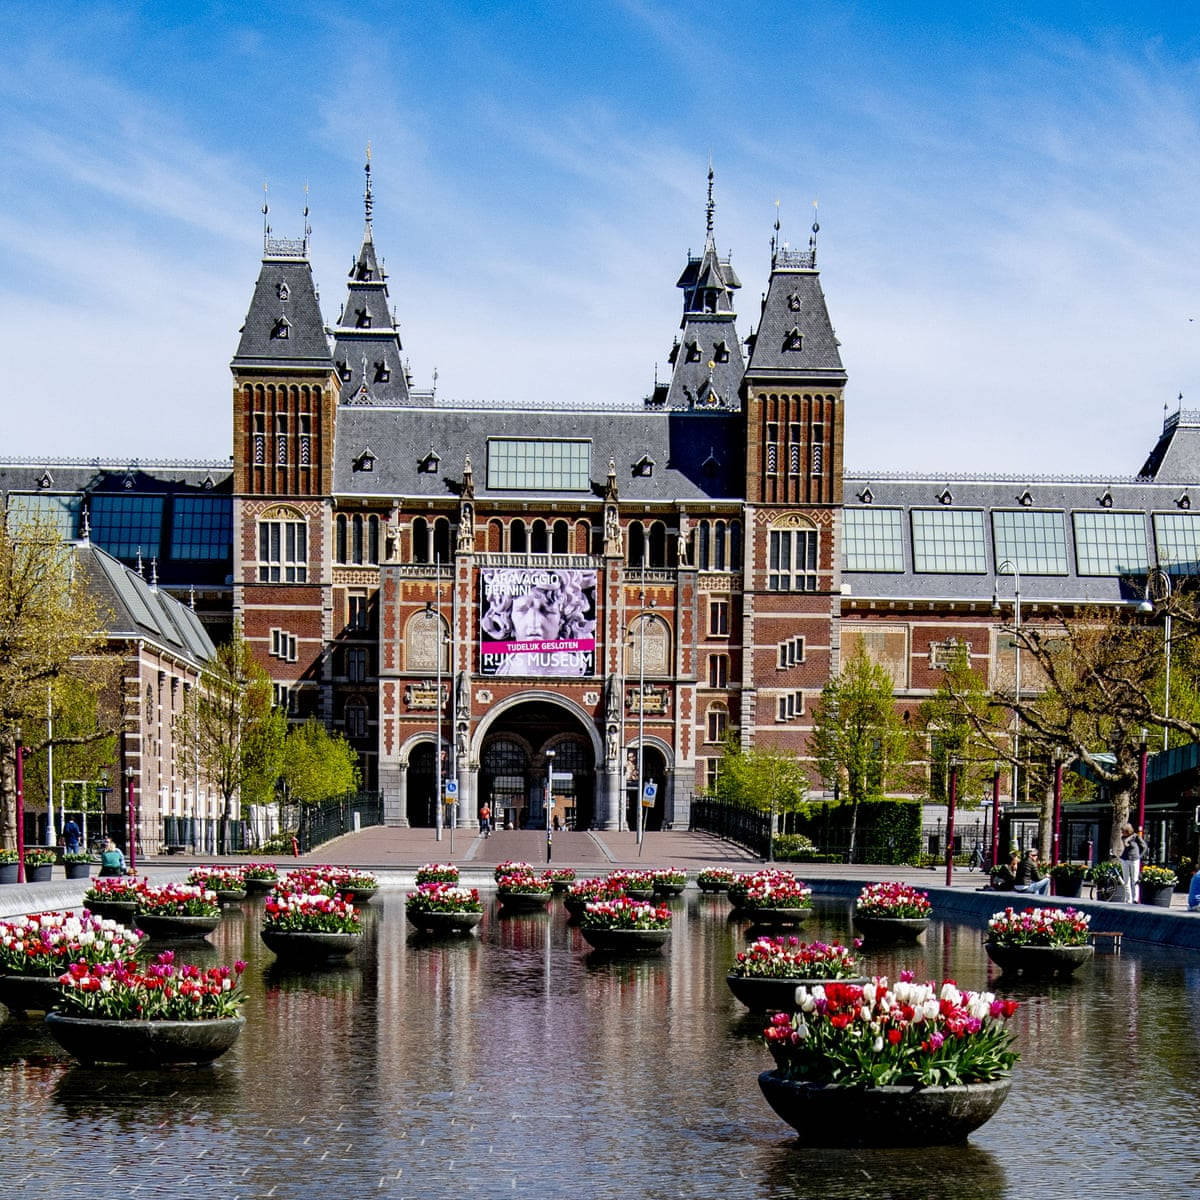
(259, 877)
(512, 867)
(1039, 941)
(39, 864)
(77, 864)
(1157, 885)
(228, 882)
(889, 1065)
(443, 908)
(1106, 879)
(437, 873)
(118, 1012)
(114, 896)
(524, 892)
(8, 866)
(579, 894)
(176, 910)
(35, 950)
(625, 926)
(771, 897)
(638, 885)
(561, 878)
(357, 886)
(715, 879)
(1068, 878)
(309, 927)
(765, 976)
(891, 911)
(669, 882)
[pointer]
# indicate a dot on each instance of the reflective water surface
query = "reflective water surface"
(515, 1063)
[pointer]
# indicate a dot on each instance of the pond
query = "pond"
(514, 1063)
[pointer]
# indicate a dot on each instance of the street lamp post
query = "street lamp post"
(1158, 588)
(549, 805)
(132, 819)
(1058, 777)
(434, 613)
(996, 815)
(20, 809)
(1008, 567)
(1141, 822)
(950, 821)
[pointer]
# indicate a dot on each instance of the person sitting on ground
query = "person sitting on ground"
(1004, 877)
(1194, 893)
(1029, 876)
(112, 861)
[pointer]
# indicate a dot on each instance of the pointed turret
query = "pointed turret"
(366, 349)
(706, 360)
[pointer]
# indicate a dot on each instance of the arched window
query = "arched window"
(516, 537)
(702, 547)
(562, 538)
(648, 640)
(282, 546)
(719, 562)
(340, 552)
(793, 555)
(637, 544)
(420, 540)
(441, 540)
(658, 545)
(495, 537)
(356, 548)
(717, 722)
(539, 542)
(373, 539)
(735, 545)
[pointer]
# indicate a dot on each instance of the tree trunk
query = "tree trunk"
(853, 828)
(1120, 804)
(1046, 826)
(8, 790)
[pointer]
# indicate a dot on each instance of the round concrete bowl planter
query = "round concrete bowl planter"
(230, 895)
(626, 941)
(309, 946)
(524, 901)
(1157, 897)
(359, 895)
(885, 1116)
(78, 870)
(640, 893)
(890, 929)
(21, 994)
(259, 887)
(669, 889)
(144, 1043)
(763, 916)
(444, 924)
(1038, 961)
(764, 993)
(168, 926)
(122, 911)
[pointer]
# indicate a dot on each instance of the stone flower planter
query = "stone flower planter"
(1038, 960)
(771, 918)
(886, 1116)
(260, 887)
(303, 946)
(761, 993)
(113, 910)
(524, 901)
(669, 889)
(230, 896)
(39, 874)
(144, 1043)
(21, 994)
(626, 941)
(359, 895)
(78, 870)
(170, 927)
(8, 872)
(442, 923)
(1157, 897)
(637, 893)
(890, 929)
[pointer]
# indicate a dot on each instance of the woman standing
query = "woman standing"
(1133, 850)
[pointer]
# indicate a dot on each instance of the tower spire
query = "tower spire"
(710, 207)
(368, 201)
(307, 226)
(266, 208)
(812, 241)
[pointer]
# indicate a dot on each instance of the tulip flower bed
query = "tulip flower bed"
(46, 943)
(907, 1035)
(309, 912)
(561, 876)
(437, 873)
(790, 958)
(443, 898)
(218, 879)
(524, 885)
(624, 913)
(891, 899)
(177, 900)
(602, 888)
(125, 991)
(634, 881)
(715, 879)
(1039, 927)
(513, 867)
(769, 889)
(123, 888)
(670, 877)
(260, 872)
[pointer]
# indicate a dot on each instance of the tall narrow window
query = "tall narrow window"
(356, 535)
(341, 538)
(718, 670)
(717, 721)
(793, 560)
(282, 550)
(373, 539)
(718, 618)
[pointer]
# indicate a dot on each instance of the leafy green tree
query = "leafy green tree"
(318, 765)
(233, 724)
(50, 629)
(859, 740)
(764, 779)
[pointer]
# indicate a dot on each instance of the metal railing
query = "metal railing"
(744, 826)
(316, 824)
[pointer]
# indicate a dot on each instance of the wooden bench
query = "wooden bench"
(175, 848)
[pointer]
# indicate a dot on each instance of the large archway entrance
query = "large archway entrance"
(513, 767)
(422, 785)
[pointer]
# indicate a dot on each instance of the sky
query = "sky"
(1008, 203)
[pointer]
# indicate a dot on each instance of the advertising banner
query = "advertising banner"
(537, 621)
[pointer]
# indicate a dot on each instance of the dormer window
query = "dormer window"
(720, 352)
(283, 292)
(46, 480)
(1184, 502)
(710, 465)
(343, 369)
(946, 497)
(365, 461)
(674, 354)
(1025, 498)
(280, 330)
(693, 351)
(429, 464)
(644, 467)
(1105, 501)
(382, 374)
(867, 496)
(794, 302)
(793, 340)
(362, 319)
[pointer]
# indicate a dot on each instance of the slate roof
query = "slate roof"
(366, 348)
(284, 292)
(134, 609)
(1176, 457)
(794, 332)
(696, 456)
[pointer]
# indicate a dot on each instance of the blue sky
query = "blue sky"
(1008, 206)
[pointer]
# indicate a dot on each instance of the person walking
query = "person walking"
(1133, 850)
(71, 836)
(485, 820)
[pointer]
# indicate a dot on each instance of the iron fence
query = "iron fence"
(316, 824)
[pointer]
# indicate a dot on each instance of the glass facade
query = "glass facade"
(60, 511)
(127, 526)
(517, 464)
(1177, 541)
(1035, 541)
(874, 539)
(1110, 543)
(949, 541)
(202, 527)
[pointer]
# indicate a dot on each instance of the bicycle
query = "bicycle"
(977, 861)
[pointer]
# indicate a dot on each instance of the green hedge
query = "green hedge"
(889, 831)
